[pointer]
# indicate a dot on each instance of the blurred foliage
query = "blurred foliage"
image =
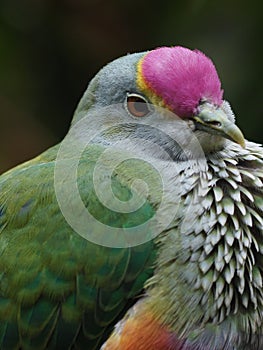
(50, 49)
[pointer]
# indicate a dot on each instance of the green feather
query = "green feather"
(56, 288)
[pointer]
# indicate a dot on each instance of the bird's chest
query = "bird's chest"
(215, 272)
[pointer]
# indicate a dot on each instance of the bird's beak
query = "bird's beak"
(215, 121)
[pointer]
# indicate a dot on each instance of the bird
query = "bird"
(143, 228)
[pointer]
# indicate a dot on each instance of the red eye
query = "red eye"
(137, 105)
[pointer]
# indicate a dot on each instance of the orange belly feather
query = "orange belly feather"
(140, 330)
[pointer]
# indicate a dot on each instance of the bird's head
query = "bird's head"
(179, 80)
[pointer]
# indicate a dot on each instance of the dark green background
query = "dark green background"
(49, 50)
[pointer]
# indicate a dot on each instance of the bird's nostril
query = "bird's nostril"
(215, 123)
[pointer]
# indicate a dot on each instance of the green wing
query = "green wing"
(57, 289)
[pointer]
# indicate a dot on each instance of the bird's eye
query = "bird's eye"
(137, 105)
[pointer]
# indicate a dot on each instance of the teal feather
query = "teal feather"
(10, 336)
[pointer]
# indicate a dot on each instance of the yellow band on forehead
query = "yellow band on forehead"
(146, 88)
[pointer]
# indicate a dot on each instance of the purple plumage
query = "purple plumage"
(182, 77)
